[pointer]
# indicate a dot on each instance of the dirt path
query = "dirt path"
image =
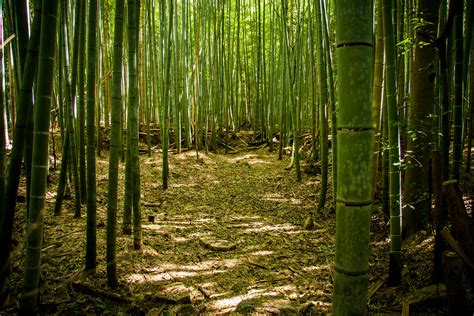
(248, 200)
(245, 199)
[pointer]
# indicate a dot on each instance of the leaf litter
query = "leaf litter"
(226, 237)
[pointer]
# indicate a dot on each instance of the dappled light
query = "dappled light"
(271, 228)
(250, 159)
(193, 157)
(180, 242)
(169, 275)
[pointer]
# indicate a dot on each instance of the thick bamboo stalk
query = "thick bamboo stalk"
(354, 46)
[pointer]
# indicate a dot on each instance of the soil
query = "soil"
(226, 237)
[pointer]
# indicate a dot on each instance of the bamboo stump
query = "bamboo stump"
(458, 287)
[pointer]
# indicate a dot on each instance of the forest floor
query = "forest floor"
(245, 202)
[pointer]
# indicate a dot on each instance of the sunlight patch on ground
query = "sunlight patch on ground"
(150, 161)
(189, 218)
(322, 304)
(294, 201)
(198, 235)
(276, 197)
(286, 288)
(428, 242)
(184, 221)
(188, 184)
(179, 239)
(204, 220)
(261, 253)
(267, 228)
(232, 302)
(169, 275)
(295, 232)
(382, 242)
(201, 266)
(236, 159)
(163, 227)
(251, 159)
(244, 218)
(316, 268)
(243, 225)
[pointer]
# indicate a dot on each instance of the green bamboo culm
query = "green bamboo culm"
(29, 296)
(74, 76)
(470, 9)
(81, 115)
(23, 106)
(332, 99)
(115, 143)
(133, 117)
(69, 147)
(323, 99)
(91, 232)
(166, 96)
(354, 47)
(458, 92)
(3, 154)
(20, 16)
(377, 98)
(394, 272)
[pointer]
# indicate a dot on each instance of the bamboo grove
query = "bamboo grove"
(187, 75)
